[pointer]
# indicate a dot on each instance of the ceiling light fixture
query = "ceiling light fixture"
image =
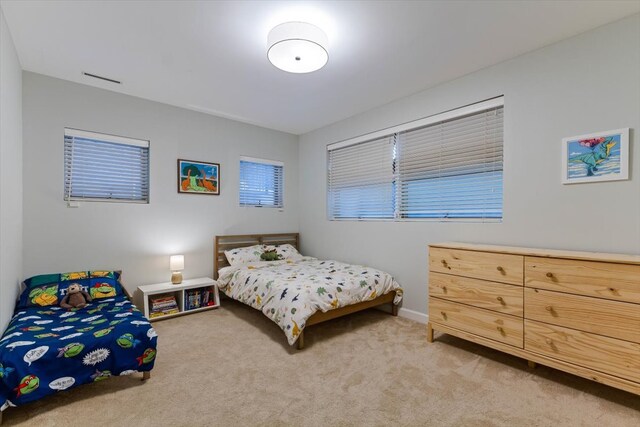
(297, 47)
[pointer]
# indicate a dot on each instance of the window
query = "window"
(447, 166)
(261, 183)
(361, 180)
(100, 167)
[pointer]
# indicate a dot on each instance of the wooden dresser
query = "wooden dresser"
(574, 311)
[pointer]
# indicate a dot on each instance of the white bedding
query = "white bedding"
(289, 292)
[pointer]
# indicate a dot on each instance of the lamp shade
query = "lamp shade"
(176, 262)
(297, 47)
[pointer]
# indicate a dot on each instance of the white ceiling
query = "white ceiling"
(211, 56)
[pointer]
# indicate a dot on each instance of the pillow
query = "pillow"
(76, 275)
(243, 255)
(49, 289)
(253, 253)
(104, 284)
(99, 284)
(286, 251)
(40, 291)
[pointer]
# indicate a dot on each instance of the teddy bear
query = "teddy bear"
(75, 298)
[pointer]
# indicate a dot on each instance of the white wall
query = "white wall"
(581, 85)
(10, 173)
(139, 238)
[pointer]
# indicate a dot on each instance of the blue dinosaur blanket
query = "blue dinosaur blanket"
(48, 349)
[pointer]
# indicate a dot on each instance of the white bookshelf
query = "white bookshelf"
(168, 288)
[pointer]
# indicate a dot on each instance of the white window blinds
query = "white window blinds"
(100, 167)
(361, 180)
(447, 166)
(261, 183)
(452, 169)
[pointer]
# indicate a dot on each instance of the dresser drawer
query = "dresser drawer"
(489, 324)
(620, 282)
(617, 357)
(610, 318)
(479, 293)
(496, 267)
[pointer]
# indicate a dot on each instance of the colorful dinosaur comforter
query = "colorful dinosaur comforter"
(289, 292)
(47, 349)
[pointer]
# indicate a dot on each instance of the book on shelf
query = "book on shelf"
(163, 305)
(155, 314)
(192, 299)
(198, 298)
(209, 298)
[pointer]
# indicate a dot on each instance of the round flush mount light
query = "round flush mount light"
(297, 47)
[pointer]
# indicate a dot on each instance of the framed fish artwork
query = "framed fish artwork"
(602, 156)
(198, 177)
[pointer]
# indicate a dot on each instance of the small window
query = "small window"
(100, 167)
(261, 183)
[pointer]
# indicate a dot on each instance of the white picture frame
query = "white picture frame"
(596, 157)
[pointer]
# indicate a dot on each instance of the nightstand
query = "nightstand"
(165, 300)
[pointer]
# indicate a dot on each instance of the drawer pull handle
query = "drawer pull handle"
(501, 300)
(444, 262)
(549, 308)
(613, 290)
(444, 289)
(550, 275)
(549, 341)
(501, 330)
(500, 269)
(444, 315)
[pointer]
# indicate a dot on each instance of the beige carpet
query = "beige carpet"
(232, 367)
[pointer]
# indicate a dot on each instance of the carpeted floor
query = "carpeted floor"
(232, 367)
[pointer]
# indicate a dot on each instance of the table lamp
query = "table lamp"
(176, 264)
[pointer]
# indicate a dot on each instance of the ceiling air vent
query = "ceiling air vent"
(102, 78)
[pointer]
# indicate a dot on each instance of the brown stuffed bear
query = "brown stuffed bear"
(75, 298)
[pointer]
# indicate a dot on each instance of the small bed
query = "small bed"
(296, 291)
(46, 348)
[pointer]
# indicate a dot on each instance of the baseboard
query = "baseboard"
(413, 315)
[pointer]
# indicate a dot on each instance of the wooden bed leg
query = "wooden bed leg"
(429, 332)
(146, 375)
(394, 309)
(532, 365)
(301, 341)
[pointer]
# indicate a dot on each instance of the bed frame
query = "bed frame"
(225, 243)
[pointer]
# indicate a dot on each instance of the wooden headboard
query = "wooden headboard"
(225, 243)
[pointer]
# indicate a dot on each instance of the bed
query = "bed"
(296, 291)
(46, 348)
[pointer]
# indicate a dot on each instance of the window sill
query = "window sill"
(458, 220)
(76, 202)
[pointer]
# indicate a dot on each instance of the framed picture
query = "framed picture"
(198, 177)
(602, 156)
